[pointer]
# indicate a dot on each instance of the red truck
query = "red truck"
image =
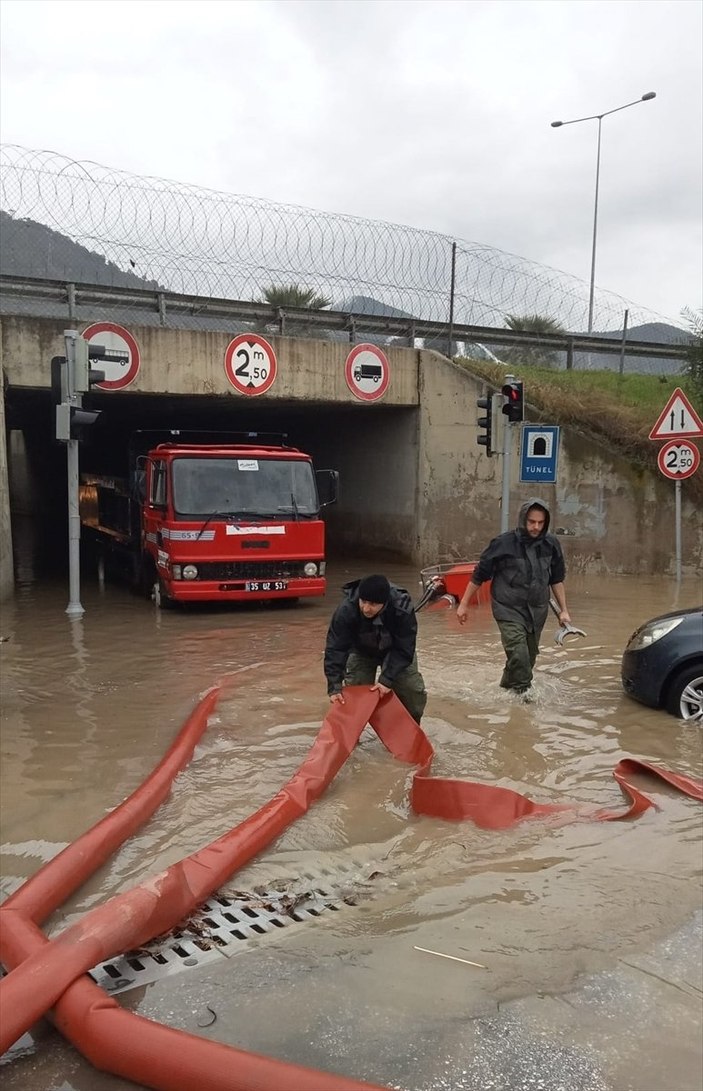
(197, 522)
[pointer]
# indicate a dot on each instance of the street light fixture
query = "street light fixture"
(599, 118)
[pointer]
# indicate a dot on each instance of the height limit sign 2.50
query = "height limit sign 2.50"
(678, 459)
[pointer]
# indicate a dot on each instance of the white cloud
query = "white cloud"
(435, 114)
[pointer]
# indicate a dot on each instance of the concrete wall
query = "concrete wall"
(191, 362)
(617, 517)
(6, 562)
(459, 490)
(378, 469)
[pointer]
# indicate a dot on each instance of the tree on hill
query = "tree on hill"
(694, 352)
(534, 356)
(294, 295)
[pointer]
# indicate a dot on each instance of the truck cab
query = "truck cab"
(218, 522)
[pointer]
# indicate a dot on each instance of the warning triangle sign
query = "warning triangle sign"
(678, 418)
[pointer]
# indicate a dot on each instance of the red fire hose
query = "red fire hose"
(45, 972)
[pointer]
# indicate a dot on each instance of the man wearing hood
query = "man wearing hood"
(375, 628)
(525, 565)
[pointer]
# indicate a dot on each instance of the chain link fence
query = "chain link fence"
(83, 223)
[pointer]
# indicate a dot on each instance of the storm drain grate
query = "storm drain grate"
(220, 926)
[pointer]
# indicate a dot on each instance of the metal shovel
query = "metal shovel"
(565, 629)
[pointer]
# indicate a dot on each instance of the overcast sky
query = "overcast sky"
(433, 114)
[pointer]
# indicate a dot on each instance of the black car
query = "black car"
(662, 665)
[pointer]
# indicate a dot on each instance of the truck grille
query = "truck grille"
(251, 570)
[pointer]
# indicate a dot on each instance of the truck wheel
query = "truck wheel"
(161, 599)
(144, 577)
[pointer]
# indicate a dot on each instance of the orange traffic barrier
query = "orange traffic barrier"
(126, 1044)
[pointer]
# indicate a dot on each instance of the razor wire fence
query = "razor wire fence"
(82, 223)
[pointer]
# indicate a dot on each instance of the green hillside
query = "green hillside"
(617, 410)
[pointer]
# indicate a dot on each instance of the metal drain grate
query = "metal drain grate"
(219, 927)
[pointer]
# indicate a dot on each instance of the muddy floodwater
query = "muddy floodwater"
(90, 706)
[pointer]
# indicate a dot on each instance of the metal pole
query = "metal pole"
(622, 346)
(74, 608)
(595, 233)
(451, 302)
(677, 485)
(599, 118)
(507, 460)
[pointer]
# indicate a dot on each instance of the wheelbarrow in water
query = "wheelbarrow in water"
(444, 584)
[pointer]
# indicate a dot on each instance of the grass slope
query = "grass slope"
(617, 410)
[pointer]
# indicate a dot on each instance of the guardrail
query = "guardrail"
(197, 307)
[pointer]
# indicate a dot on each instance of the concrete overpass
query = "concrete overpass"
(415, 485)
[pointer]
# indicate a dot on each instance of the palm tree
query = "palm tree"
(531, 323)
(294, 295)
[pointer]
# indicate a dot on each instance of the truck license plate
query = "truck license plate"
(267, 585)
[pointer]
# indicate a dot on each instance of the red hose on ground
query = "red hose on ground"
(128, 1045)
(133, 918)
(65, 873)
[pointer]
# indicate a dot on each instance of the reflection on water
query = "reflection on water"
(89, 707)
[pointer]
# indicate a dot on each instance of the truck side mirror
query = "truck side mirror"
(327, 486)
(140, 485)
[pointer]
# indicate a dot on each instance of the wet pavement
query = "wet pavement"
(590, 934)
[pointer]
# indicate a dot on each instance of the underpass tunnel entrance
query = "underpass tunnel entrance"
(374, 448)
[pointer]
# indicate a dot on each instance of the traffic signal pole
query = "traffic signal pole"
(71, 377)
(507, 463)
(74, 608)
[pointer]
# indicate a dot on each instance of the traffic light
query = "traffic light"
(73, 422)
(486, 423)
(71, 377)
(514, 406)
(84, 376)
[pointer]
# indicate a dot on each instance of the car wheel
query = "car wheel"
(685, 697)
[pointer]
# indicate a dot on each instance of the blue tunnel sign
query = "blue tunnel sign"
(539, 453)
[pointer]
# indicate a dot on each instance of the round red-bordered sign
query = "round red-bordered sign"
(124, 368)
(250, 364)
(679, 459)
(367, 372)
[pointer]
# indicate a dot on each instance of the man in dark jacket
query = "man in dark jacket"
(375, 627)
(525, 565)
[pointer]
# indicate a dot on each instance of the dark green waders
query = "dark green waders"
(409, 686)
(521, 649)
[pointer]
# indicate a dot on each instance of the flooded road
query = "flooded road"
(90, 706)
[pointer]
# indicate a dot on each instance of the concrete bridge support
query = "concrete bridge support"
(6, 561)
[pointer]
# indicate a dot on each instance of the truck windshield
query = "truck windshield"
(244, 487)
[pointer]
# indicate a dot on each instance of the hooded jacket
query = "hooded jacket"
(522, 570)
(389, 638)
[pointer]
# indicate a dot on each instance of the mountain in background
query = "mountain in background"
(366, 304)
(30, 249)
(661, 332)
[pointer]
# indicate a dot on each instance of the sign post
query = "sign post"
(539, 453)
(678, 459)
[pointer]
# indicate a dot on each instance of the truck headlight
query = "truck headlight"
(176, 572)
(190, 572)
(310, 569)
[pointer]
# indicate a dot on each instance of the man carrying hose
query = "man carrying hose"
(375, 628)
(524, 565)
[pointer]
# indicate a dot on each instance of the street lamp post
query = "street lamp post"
(599, 119)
